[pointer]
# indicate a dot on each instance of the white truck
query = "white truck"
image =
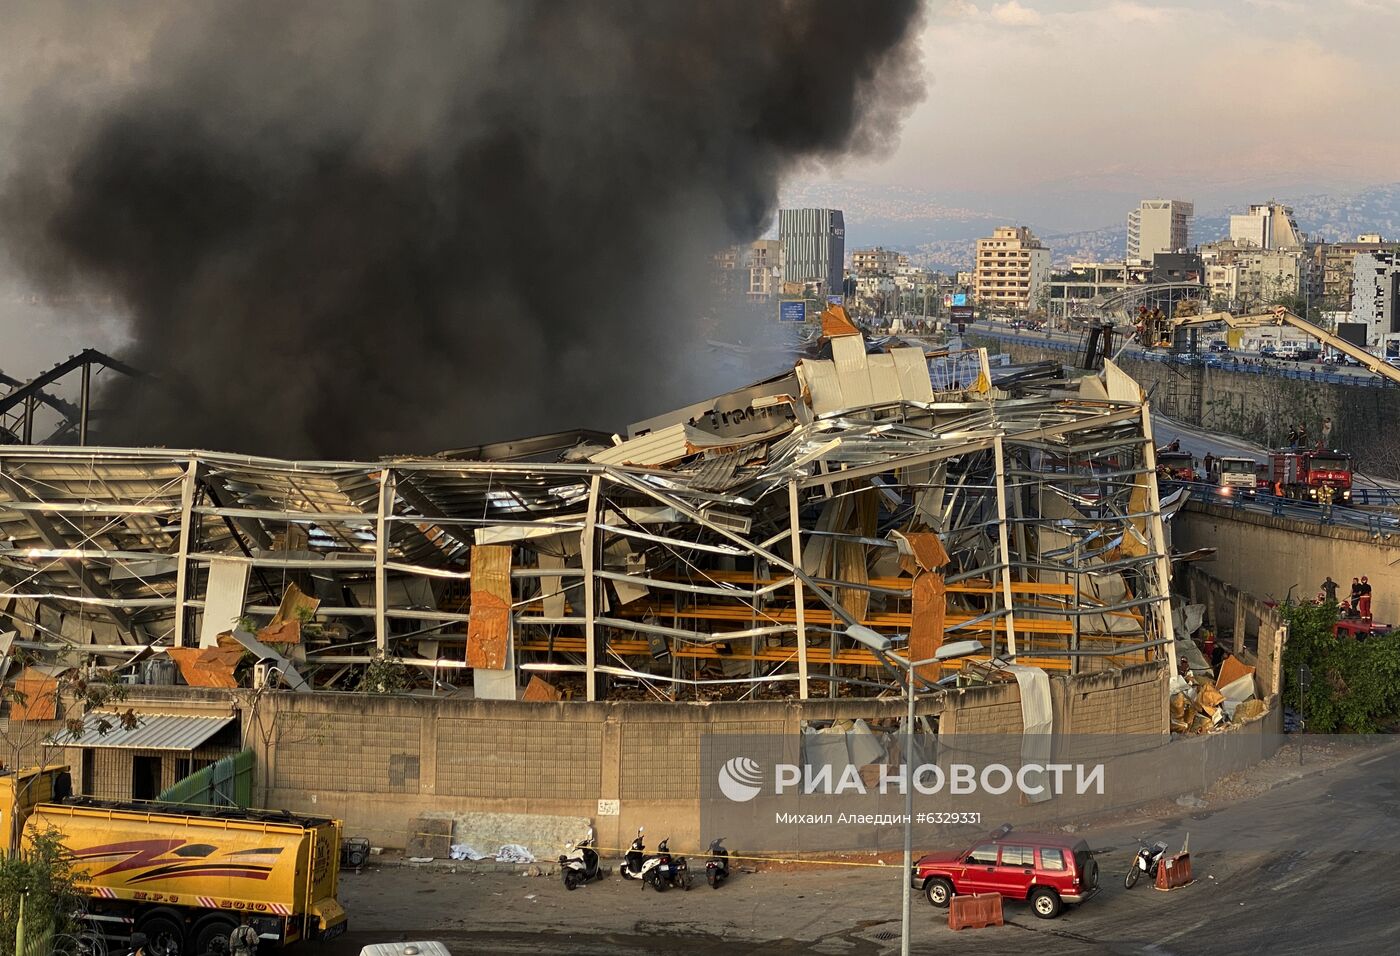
(1232, 476)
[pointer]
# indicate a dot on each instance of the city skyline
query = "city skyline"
(1021, 117)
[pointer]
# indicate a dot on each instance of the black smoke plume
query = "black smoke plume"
(352, 228)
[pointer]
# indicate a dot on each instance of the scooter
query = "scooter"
(662, 870)
(579, 864)
(636, 858)
(717, 866)
(1146, 860)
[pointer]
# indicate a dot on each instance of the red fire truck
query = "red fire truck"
(1176, 466)
(1321, 476)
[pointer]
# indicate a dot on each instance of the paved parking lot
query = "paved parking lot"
(1322, 880)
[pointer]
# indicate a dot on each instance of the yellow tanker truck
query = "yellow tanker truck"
(185, 876)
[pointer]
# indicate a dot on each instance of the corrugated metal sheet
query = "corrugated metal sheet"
(884, 380)
(657, 448)
(853, 370)
(824, 385)
(913, 371)
(155, 732)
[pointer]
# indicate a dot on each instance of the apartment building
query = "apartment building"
(878, 260)
(1338, 264)
(1376, 299)
(1159, 225)
(765, 265)
(1012, 266)
(1248, 276)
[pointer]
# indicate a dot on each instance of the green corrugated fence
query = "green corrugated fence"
(227, 783)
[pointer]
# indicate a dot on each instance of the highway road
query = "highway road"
(1201, 442)
(1307, 867)
(1196, 440)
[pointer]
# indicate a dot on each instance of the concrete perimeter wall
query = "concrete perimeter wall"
(381, 763)
(1267, 556)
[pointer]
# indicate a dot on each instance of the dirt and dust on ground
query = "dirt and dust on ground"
(850, 905)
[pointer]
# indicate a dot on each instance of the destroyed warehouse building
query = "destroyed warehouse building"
(717, 552)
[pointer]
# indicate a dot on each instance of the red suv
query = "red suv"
(1048, 869)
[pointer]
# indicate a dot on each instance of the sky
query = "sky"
(1058, 110)
(1061, 113)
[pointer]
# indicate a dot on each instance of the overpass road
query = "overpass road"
(1307, 867)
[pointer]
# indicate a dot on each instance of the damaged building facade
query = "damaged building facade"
(718, 552)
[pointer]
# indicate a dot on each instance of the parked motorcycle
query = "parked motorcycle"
(636, 858)
(717, 866)
(1146, 860)
(579, 864)
(662, 869)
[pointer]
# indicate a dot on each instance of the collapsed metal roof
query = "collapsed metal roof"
(721, 550)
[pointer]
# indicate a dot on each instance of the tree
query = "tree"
(40, 883)
(1355, 685)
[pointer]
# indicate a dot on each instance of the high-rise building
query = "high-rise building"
(1012, 265)
(814, 247)
(1267, 225)
(1375, 299)
(1158, 225)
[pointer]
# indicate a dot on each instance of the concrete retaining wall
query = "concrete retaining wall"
(1271, 557)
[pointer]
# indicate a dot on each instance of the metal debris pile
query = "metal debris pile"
(720, 550)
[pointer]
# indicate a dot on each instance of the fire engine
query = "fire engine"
(1176, 466)
(1321, 476)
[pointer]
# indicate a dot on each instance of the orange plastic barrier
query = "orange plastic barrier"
(974, 912)
(1175, 871)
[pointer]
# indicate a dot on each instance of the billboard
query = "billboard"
(792, 310)
(836, 300)
(959, 299)
(962, 313)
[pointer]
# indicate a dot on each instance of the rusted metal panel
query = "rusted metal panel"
(207, 666)
(488, 631)
(541, 690)
(35, 696)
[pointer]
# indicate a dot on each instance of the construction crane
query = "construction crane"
(1158, 332)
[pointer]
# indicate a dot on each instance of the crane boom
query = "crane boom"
(1282, 316)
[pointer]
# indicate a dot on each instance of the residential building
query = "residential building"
(878, 259)
(1245, 275)
(725, 267)
(1158, 225)
(874, 284)
(1338, 263)
(765, 265)
(1267, 225)
(1012, 266)
(1177, 267)
(813, 247)
(1375, 298)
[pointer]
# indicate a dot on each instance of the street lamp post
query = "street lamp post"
(881, 645)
